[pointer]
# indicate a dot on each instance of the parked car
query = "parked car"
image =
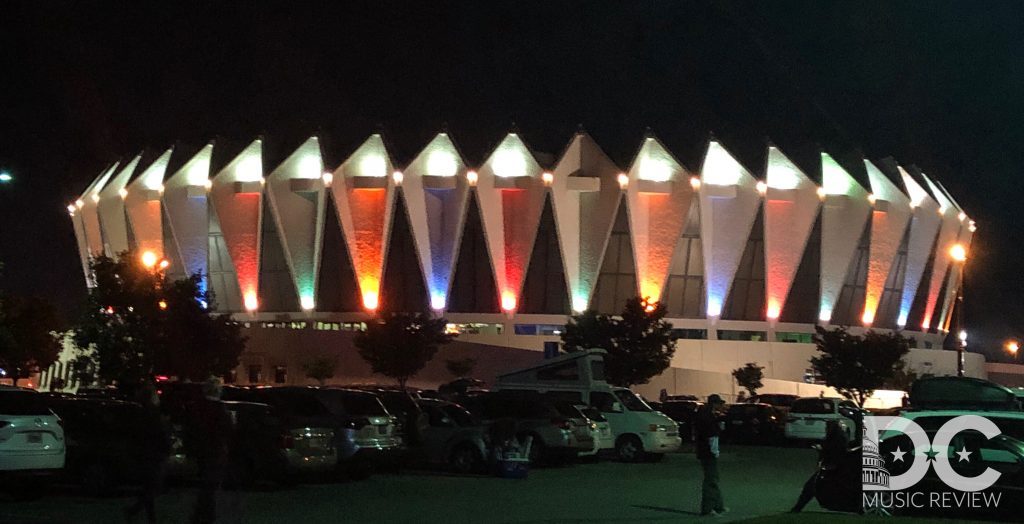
(683, 413)
(533, 415)
(752, 423)
(32, 446)
(400, 404)
(452, 438)
(809, 415)
(583, 429)
(363, 430)
(265, 447)
(102, 439)
(780, 401)
(604, 438)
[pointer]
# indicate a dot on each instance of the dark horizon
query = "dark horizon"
(931, 86)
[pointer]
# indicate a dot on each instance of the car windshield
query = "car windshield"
(592, 413)
(631, 400)
(23, 403)
(567, 409)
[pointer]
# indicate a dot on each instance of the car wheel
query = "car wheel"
(629, 448)
(465, 459)
(94, 479)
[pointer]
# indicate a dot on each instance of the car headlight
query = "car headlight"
(658, 427)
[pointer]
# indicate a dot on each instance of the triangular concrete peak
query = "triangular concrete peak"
(112, 208)
(237, 198)
(729, 201)
(363, 187)
(924, 226)
(143, 207)
(845, 211)
(436, 194)
(791, 207)
(184, 200)
(296, 193)
(890, 216)
(585, 192)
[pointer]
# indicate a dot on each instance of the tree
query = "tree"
(399, 345)
(858, 365)
(138, 324)
(749, 377)
(902, 378)
(460, 367)
(639, 343)
(321, 369)
(29, 342)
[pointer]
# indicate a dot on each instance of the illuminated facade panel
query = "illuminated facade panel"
(729, 201)
(845, 212)
(924, 225)
(296, 193)
(659, 195)
(890, 215)
(185, 206)
(89, 210)
(585, 193)
(949, 232)
(363, 188)
(236, 196)
(111, 208)
(436, 192)
(142, 205)
(791, 206)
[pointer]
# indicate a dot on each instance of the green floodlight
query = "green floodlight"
(5, 177)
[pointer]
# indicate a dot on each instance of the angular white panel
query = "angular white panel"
(888, 225)
(237, 197)
(88, 208)
(363, 188)
(924, 226)
(948, 236)
(791, 205)
(511, 198)
(585, 194)
(82, 244)
(112, 211)
(143, 207)
(299, 217)
(436, 193)
(844, 214)
(184, 200)
(725, 222)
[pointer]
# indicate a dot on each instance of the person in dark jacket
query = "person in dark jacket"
(209, 437)
(706, 432)
(154, 439)
(833, 450)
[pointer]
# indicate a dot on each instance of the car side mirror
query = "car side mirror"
(616, 407)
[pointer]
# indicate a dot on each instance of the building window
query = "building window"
(231, 376)
(280, 374)
(746, 298)
(850, 305)
(752, 336)
(792, 336)
(539, 329)
(617, 281)
(889, 305)
(689, 334)
(255, 374)
(474, 328)
(684, 297)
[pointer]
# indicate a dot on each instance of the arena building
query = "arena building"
(303, 253)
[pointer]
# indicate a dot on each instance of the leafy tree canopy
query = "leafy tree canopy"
(460, 367)
(639, 343)
(138, 323)
(29, 342)
(399, 345)
(321, 369)
(857, 365)
(749, 377)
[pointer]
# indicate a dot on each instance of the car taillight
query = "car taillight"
(561, 423)
(286, 442)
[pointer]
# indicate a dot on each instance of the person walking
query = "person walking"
(706, 432)
(209, 437)
(154, 440)
(833, 450)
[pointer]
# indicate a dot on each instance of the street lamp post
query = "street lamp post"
(959, 255)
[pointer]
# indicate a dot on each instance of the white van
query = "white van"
(640, 432)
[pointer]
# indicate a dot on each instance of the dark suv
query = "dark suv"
(753, 424)
(554, 436)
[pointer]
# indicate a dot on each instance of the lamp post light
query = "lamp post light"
(958, 254)
(1012, 347)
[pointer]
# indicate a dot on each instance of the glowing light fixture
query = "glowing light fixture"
(79, 203)
(579, 304)
(962, 336)
(772, 312)
(162, 304)
(872, 198)
(309, 167)
(441, 163)
(509, 163)
(163, 264)
(868, 317)
(623, 181)
(471, 177)
(123, 192)
(72, 209)
(249, 170)
(695, 183)
(972, 227)
(1012, 346)
(821, 193)
(371, 300)
(962, 216)
(508, 301)
(438, 302)
(958, 253)
(825, 315)
(902, 320)
(714, 307)
(398, 177)
(149, 259)
(96, 198)
(925, 325)
(547, 178)
(307, 303)
(251, 302)
(762, 187)
(328, 178)
(208, 184)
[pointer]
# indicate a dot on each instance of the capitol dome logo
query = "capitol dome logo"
(874, 476)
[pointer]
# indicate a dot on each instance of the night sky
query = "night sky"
(933, 84)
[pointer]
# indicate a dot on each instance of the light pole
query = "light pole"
(958, 253)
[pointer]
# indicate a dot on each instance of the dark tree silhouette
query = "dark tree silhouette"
(399, 345)
(29, 342)
(321, 369)
(749, 377)
(858, 365)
